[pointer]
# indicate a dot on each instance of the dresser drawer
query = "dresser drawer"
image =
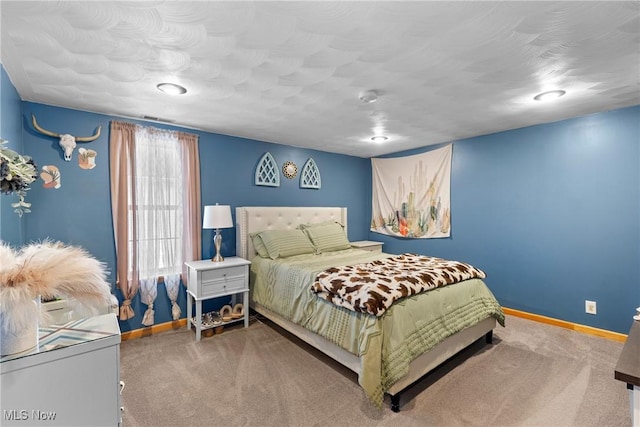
(223, 281)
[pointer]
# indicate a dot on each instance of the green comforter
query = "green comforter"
(386, 345)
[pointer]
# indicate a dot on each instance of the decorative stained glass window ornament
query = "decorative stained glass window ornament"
(310, 176)
(267, 171)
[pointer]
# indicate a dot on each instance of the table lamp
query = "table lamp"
(217, 217)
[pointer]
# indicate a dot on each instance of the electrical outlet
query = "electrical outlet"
(590, 307)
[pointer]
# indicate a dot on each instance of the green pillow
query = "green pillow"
(286, 243)
(258, 245)
(327, 236)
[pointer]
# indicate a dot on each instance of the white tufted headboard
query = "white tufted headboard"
(250, 219)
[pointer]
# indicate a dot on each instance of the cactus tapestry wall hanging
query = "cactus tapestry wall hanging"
(411, 195)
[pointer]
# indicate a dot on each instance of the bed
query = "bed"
(388, 353)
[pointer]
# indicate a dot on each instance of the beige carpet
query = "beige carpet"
(533, 375)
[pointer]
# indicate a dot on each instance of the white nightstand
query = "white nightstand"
(368, 245)
(208, 279)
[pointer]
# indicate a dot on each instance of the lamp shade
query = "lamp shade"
(218, 216)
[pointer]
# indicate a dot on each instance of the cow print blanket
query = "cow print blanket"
(372, 287)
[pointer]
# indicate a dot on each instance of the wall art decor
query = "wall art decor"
(51, 176)
(86, 158)
(290, 170)
(411, 195)
(67, 142)
(310, 175)
(267, 172)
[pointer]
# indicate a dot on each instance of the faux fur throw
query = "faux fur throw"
(372, 287)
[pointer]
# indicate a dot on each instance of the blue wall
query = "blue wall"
(10, 130)
(552, 214)
(79, 212)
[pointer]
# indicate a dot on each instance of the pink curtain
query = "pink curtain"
(192, 218)
(122, 170)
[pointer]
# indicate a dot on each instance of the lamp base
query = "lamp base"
(217, 242)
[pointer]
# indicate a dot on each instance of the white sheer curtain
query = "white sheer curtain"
(159, 187)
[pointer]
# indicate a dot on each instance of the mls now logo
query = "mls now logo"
(42, 415)
(23, 414)
(15, 415)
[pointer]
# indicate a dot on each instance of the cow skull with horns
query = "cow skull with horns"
(67, 142)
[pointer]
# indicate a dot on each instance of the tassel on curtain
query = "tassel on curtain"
(172, 283)
(148, 294)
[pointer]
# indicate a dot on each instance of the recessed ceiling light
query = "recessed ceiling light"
(171, 88)
(369, 96)
(379, 138)
(547, 96)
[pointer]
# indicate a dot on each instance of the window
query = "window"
(157, 204)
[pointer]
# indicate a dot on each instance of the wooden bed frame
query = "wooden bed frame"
(257, 218)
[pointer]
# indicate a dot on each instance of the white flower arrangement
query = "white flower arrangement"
(17, 172)
(50, 270)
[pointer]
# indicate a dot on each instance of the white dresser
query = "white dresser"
(71, 378)
(61, 311)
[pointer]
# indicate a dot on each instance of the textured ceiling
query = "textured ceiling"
(292, 72)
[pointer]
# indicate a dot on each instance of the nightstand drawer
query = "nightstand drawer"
(222, 282)
(368, 245)
(223, 286)
(223, 273)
